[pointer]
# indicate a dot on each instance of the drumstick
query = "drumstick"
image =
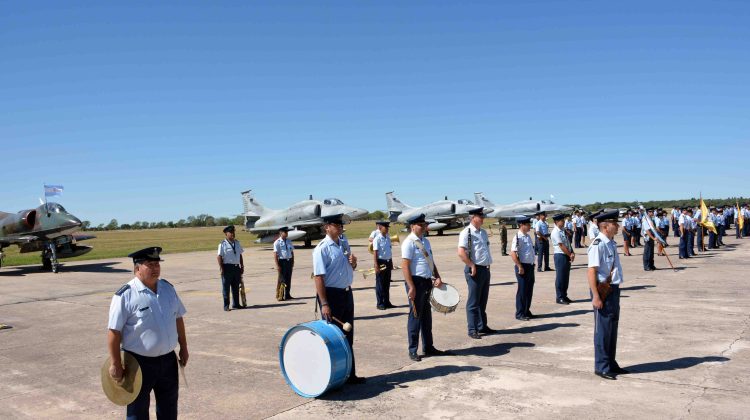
(344, 325)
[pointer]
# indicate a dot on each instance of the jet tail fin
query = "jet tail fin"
(482, 200)
(250, 205)
(394, 204)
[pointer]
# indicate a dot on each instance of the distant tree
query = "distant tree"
(100, 226)
(161, 225)
(112, 225)
(181, 223)
(170, 224)
(85, 225)
(125, 226)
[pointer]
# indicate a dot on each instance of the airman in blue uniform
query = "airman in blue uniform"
(604, 267)
(231, 267)
(283, 256)
(542, 245)
(421, 275)
(333, 271)
(383, 256)
(522, 253)
(145, 320)
(564, 256)
(649, 241)
(474, 252)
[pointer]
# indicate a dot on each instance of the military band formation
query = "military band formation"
(146, 314)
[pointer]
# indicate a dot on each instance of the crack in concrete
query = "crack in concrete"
(689, 405)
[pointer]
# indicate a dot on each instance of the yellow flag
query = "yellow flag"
(740, 217)
(704, 218)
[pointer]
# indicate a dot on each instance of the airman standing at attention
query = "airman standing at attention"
(504, 238)
(383, 256)
(675, 218)
(663, 226)
(564, 256)
(605, 271)
(522, 252)
(333, 265)
(231, 267)
(474, 251)
(649, 240)
(637, 226)
(684, 224)
(578, 220)
(145, 320)
(283, 256)
(421, 275)
(569, 229)
(542, 245)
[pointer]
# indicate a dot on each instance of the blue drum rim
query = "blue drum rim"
(331, 384)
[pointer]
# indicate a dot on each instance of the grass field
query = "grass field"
(119, 243)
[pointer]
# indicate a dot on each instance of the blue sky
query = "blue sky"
(161, 110)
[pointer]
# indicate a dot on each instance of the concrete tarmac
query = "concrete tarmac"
(683, 335)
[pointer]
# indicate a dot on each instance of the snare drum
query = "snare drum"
(315, 357)
(444, 299)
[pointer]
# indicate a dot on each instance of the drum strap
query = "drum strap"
(426, 254)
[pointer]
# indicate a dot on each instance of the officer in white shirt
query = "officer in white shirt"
(231, 267)
(522, 253)
(604, 267)
(474, 251)
(145, 320)
(563, 256)
(675, 217)
(649, 242)
(542, 243)
(383, 257)
(283, 257)
(333, 271)
(578, 220)
(421, 275)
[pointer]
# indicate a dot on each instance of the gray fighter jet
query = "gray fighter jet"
(441, 215)
(48, 229)
(521, 208)
(304, 219)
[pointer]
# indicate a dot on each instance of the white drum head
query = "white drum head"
(307, 361)
(445, 295)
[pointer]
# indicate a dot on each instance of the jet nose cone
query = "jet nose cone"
(71, 220)
(356, 213)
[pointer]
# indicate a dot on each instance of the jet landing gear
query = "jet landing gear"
(49, 259)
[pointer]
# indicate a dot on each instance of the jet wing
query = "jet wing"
(18, 239)
(83, 237)
(294, 225)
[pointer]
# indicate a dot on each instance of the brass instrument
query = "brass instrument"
(394, 238)
(365, 273)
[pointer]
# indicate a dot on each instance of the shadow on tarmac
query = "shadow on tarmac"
(537, 328)
(105, 267)
(564, 314)
(379, 384)
(379, 316)
(497, 349)
(274, 305)
(506, 283)
(641, 287)
(674, 364)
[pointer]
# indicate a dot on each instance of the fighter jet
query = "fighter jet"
(441, 215)
(304, 219)
(48, 229)
(521, 208)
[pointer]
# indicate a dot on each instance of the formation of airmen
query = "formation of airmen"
(145, 318)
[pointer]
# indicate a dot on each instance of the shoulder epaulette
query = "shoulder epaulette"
(122, 290)
(596, 241)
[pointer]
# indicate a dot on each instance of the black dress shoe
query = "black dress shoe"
(236, 307)
(487, 330)
(563, 302)
(435, 352)
(356, 380)
(647, 269)
(381, 307)
(522, 318)
(620, 371)
(226, 308)
(529, 315)
(606, 375)
(475, 336)
(568, 300)
(389, 305)
(549, 269)
(414, 356)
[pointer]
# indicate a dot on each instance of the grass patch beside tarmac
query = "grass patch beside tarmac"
(120, 243)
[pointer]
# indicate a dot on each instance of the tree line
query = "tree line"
(201, 220)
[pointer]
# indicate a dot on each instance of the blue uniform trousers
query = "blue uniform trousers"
(711, 240)
(746, 228)
(423, 321)
(525, 290)
(562, 275)
(606, 321)
(676, 228)
(648, 253)
(479, 292)
(683, 246)
(664, 232)
(231, 279)
(737, 230)
(341, 303)
(579, 231)
(691, 243)
(160, 375)
(637, 233)
(285, 274)
(722, 232)
(542, 253)
(383, 283)
(700, 233)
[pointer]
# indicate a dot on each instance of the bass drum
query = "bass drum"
(444, 299)
(315, 357)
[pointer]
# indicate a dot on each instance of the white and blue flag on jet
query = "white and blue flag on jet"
(52, 190)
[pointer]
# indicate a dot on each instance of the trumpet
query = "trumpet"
(370, 271)
(394, 238)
